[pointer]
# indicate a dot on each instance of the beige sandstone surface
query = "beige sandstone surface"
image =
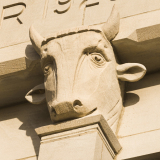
(138, 19)
(20, 70)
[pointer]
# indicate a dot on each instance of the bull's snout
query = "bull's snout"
(68, 110)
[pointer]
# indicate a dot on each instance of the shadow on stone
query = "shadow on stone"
(130, 99)
(31, 53)
(22, 119)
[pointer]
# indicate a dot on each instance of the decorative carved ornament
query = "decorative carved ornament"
(81, 73)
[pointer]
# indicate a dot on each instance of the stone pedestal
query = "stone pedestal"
(88, 138)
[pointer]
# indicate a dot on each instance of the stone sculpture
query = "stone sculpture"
(82, 75)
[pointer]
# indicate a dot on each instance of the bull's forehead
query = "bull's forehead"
(74, 45)
(70, 51)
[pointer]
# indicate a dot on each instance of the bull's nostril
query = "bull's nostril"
(77, 103)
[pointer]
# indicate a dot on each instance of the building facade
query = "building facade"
(95, 65)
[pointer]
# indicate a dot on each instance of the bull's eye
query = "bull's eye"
(47, 69)
(97, 58)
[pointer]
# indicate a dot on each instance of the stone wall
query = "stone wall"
(17, 129)
(138, 41)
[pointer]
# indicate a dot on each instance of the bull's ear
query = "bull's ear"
(111, 27)
(36, 95)
(131, 72)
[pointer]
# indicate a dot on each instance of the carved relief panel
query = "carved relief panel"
(81, 74)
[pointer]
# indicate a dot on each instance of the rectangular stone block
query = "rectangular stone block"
(87, 143)
(82, 122)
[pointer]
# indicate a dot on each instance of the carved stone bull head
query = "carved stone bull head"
(81, 74)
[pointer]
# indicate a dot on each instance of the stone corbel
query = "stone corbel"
(87, 138)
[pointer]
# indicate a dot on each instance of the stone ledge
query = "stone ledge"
(87, 143)
(82, 122)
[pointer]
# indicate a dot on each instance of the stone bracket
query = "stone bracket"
(83, 122)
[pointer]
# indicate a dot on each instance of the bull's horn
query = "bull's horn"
(36, 39)
(111, 27)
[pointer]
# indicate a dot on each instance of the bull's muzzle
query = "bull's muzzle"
(68, 110)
